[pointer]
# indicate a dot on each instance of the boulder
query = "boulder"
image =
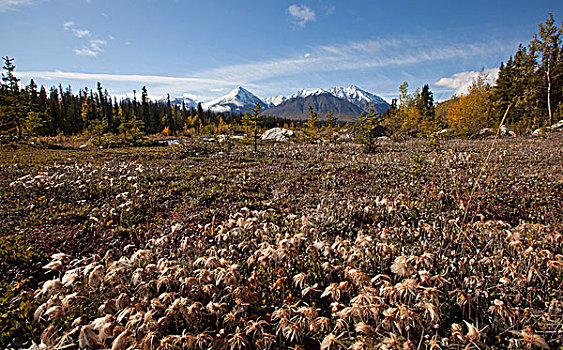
(486, 132)
(278, 135)
(506, 132)
(538, 133)
(378, 131)
(557, 126)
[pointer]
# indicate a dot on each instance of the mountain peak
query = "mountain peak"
(306, 92)
(348, 102)
(238, 100)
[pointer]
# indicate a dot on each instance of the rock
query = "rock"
(222, 138)
(506, 132)
(378, 131)
(557, 126)
(539, 133)
(343, 137)
(486, 132)
(278, 135)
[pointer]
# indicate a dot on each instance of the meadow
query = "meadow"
(416, 246)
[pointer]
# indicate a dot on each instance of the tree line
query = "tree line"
(32, 110)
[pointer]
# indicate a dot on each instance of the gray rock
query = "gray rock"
(278, 135)
(506, 132)
(378, 131)
(557, 126)
(486, 132)
(538, 133)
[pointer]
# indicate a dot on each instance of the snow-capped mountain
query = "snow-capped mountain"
(361, 98)
(177, 101)
(298, 107)
(346, 103)
(307, 93)
(237, 101)
(273, 101)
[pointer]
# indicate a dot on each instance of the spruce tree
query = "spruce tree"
(251, 123)
(311, 131)
(14, 106)
(365, 130)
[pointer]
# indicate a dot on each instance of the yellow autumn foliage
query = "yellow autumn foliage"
(472, 111)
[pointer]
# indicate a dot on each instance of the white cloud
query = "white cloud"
(301, 14)
(122, 84)
(79, 33)
(352, 56)
(117, 77)
(92, 47)
(8, 5)
(460, 82)
(86, 51)
(268, 74)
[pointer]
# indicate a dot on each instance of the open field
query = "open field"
(320, 246)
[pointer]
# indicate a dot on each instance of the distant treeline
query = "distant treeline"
(36, 111)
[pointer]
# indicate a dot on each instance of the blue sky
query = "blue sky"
(206, 48)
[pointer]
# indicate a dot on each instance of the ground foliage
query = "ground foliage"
(318, 246)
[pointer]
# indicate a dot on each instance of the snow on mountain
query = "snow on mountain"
(273, 101)
(177, 101)
(361, 98)
(298, 107)
(352, 94)
(346, 102)
(237, 101)
(307, 93)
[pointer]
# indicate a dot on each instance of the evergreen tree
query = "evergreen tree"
(365, 130)
(426, 109)
(311, 130)
(54, 113)
(144, 111)
(251, 123)
(169, 122)
(14, 104)
(331, 120)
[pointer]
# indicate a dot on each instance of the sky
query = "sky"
(204, 49)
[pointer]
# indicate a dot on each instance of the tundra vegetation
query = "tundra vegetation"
(304, 246)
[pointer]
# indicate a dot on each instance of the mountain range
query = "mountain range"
(345, 103)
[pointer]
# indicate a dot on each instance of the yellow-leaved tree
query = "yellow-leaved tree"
(472, 111)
